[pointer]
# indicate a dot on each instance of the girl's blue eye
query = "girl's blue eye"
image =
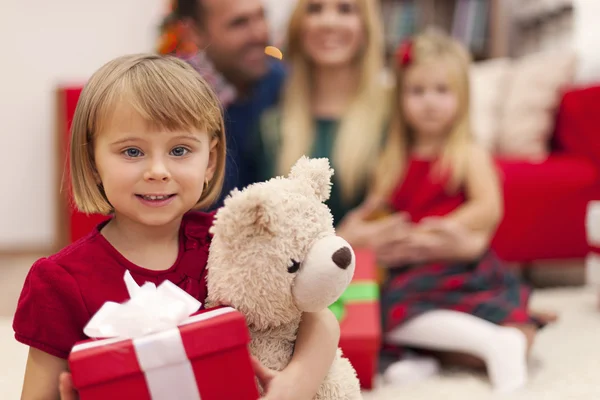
(132, 152)
(179, 151)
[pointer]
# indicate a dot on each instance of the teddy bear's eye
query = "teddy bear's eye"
(294, 267)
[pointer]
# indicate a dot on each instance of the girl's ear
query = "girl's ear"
(213, 154)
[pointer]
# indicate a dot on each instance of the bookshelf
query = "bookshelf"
(482, 25)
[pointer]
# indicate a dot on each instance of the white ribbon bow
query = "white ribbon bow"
(150, 309)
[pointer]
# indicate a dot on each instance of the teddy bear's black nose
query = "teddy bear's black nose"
(342, 257)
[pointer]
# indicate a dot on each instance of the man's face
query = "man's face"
(234, 34)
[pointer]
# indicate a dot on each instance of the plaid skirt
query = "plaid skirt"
(484, 288)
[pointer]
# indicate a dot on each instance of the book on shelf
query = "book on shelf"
(466, 20)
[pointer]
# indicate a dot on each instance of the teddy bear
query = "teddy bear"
(274, 255)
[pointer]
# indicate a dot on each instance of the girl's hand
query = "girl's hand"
(361, 233)
(434, 239)
(65, 386)
(353, 226)
(277, 385)
(397, 250)
(453, 241)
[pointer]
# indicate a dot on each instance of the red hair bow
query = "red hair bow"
(404, 53)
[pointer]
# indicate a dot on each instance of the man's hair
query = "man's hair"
(193, 9)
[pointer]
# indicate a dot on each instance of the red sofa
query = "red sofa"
(74, 224)
(545, 203)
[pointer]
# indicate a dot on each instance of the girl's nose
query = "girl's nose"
(157, 171)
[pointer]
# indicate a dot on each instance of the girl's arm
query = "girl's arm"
(41, 375)
(316, 345)
(483, 209)
(314, 353)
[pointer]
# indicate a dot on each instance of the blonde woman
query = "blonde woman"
(335, 102)
(446, 291)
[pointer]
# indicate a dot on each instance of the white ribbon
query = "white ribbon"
(150, 309)
(151, 318)
(168, 371)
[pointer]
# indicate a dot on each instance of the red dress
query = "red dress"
(482, 287)
(63, 291)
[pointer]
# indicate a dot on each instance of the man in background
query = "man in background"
(232, 36)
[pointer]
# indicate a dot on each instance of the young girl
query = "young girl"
(148, 148)
(445, 291)
(335, 103)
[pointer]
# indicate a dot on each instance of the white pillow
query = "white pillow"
(488, 90)
(534, 91)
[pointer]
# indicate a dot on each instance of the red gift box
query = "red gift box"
(360, 338)
(196, 360)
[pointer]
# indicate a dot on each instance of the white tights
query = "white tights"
(503, 349)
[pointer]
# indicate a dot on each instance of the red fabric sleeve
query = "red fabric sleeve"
(50, 313)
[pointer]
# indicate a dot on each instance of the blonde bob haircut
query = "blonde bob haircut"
(165, 91)
(431, 46)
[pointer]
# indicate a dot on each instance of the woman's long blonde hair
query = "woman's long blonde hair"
(359, 136)
(430, 46)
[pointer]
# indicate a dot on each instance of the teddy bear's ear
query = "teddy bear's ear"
(260, 219)
(317, 173)
(247, 212)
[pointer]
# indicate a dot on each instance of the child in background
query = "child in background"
(445, 291)
(148, 148)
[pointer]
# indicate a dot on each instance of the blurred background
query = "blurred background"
(547, 47)
(61, 43)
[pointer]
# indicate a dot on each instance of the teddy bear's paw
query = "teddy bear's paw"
(341, 383)
(317, 173)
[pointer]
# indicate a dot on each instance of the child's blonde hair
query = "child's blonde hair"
(430, 46)
(359, 137)
(166, 92)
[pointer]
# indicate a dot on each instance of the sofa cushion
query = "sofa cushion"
(533, 94)
(544, 207)
(488, 89)
(578, 123)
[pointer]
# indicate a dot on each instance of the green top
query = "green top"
(268, 150)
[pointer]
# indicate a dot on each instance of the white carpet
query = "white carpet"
(566, 360)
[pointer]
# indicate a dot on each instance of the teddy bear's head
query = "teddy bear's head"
(274, 253)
